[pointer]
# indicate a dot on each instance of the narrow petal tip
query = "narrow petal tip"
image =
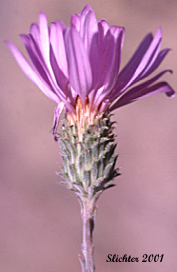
(42, 15)
(169, 91)
(8, 43)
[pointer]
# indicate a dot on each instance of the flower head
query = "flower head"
(78, 66)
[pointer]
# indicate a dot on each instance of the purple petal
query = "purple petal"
(107, 58)
(161, 87)
(95, 96)
(144, 90)
(61, 107)
(45, 45)
(89, 35)
(129, 70)
(76, 21)
(118, 33)
(44, 37)
(112, 63)
(35, 58)
(35, 33)
(40, 65)
(90, 39)
(45, 48)
(58, 46)
(58, 110)
(79, 66)
(151, 60)
(89, 28)
(62, 80)
(156, 64)
(110, 57)
(85, 11)
(149, 57)
(31, 73)
(103, 29)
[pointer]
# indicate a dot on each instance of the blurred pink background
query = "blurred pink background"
(39, 219)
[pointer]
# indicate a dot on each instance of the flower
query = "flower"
(78, 66)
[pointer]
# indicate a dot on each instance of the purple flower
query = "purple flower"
(78, 66)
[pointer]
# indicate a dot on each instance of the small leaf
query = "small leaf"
(86, 179)
(87, 159)
(94, 172)
(63, 144)
(107, 170)
(99, 181)
(95, 150)
(71, 173)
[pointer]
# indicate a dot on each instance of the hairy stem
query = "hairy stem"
(88, 214)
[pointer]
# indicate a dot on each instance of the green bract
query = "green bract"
(88, 159)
